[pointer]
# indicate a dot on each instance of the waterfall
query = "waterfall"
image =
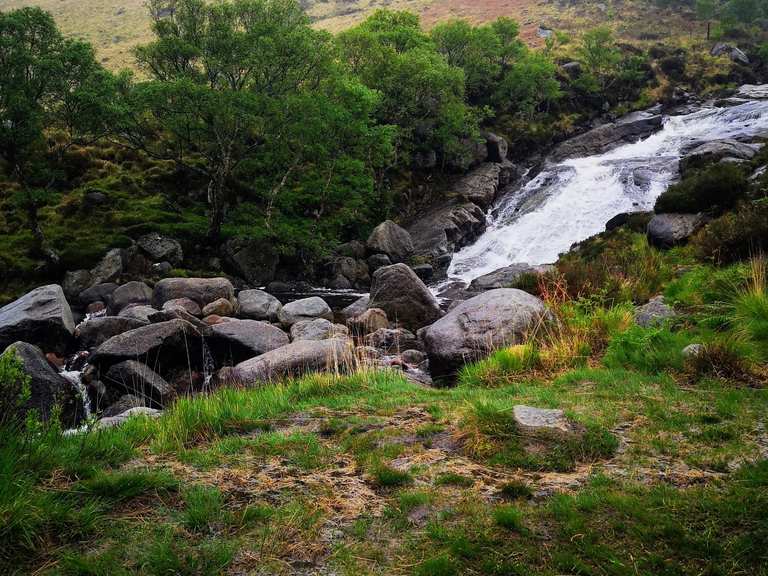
(75, 377)
(571, 201)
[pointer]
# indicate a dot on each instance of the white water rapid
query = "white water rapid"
(571, 201)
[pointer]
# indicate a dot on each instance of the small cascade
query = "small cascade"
(209, 365)
(76, 379)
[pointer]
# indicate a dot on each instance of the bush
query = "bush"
(723, 360)
(735, 236)
(650, 350)
(714, 190)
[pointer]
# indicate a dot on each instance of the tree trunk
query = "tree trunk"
(40, 247)
(216, 207)
(709, 28)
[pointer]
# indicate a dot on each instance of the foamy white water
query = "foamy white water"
(571, 201)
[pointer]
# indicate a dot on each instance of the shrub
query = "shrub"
(734, 236)
(14, 388)
(647, 349)
(723, 360)
(516, 490)
(508, 517)
(714, 190)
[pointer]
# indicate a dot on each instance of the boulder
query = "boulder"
(164, 346)
(390, 239)
(258, 305)
(130, 293)
(98, 293)
(133, 377)
(725, 49)
(296, 359)
(122, 404)
(41, 317)
(181, 314)
(317, 329)
(693, 350)
(754, 92)
(481, 186)
(160, 248)
(240, 340)
(628, 129)
(220, 307)
(344, 272)
(478, 326)
(96, 331)
(48, 388)
(189, 306)
(369, 321)
(403, 297)
(717, 151)
(392, 341)
(413, 357)
(252, 260)
(443, 230)
(669, 230)
(572, 69)
(120, 419)
(75, 282)
(109, 268)
(201, 290)
(425, 272)
(354, 249)
(138, 312)
(497, 148)
(654, 313)
(377, 261)
(306, 309)
(356, 308)
(504, 277)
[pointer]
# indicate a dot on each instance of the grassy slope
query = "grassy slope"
(116, 26)
(370, 474)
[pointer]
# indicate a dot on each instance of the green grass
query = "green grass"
(204, 508)
(508, 517)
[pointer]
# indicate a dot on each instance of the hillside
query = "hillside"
(114, 27)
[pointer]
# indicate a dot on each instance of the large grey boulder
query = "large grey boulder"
(252, 260)
(504, 277)
(478, 326)
(403, 297)
(725, 49)
(305, 309)
(189, 306)
(317, 329)
(392, 340)
(298, 358)
(96, 331)
(240, 340)
(75, 282)
(654, 313)
(138, 312)
(717, 151)
(258, 305)
(497, 148)
(130, 293)
(98, 293)
(481, 186)
(390, 239)
(41, 317)
(109, 268)
(164, 346)
(669, 230)
(48, 388)
(123, 417)
(161, 248)
(628, 129)
(136, 378)
(356, 308)
(201, 290)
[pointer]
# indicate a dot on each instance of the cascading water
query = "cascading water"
(571, 201)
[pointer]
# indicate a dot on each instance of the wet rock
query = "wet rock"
(161, 248)
(109, 269)
(138, 312)
(654, 313)
(258, 305)
(96, 309)
(48, 388)
(392, 341)
(628, 129)
(201, 290)
(133, 377)
(356, 308)
(505, 277)
(296, 359)
(41, 317)
(717, 151)
(130, 293)
(497, 148)
(480, 325)
(305, 309)
(96, 331)
(669, 230)
(220, 307)
(377, 261)
(390, 239)
(403, 297)
(164, 346)
(240, 340)
(317, 329)
(481, 186)
(369, 321)
(425, 272)
(189, 306)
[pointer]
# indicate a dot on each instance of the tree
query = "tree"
(51, 92)
(706, 10)
(600, 57)
(224, 77)
(529, 84)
